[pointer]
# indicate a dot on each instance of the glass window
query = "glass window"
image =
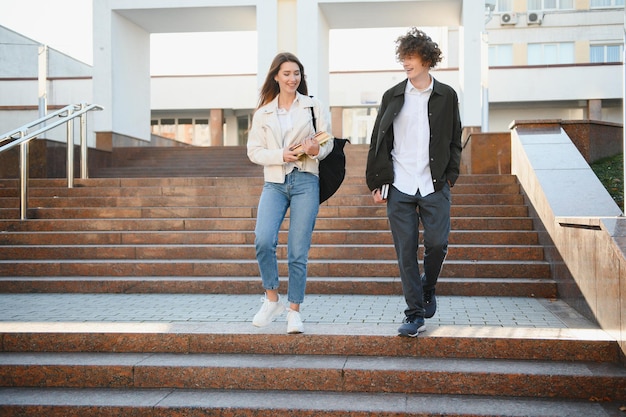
(550, 53)
(550, 4)
(606, 3)
(613, 53)
(184, 131)
(500, 55)
(168, 128)
(154, 127)
(201, 134)
(605, 53)
(358, 123)
(596, 53)
(504, 5)
(243, 124)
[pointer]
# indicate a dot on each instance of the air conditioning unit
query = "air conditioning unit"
(508, 18)
(534, 18)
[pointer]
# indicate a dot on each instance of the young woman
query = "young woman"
(283, 119)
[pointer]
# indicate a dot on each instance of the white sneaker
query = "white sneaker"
(294, 322)
(268, 312)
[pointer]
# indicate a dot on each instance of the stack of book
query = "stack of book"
(321, 137)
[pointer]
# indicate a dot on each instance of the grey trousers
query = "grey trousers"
(405, 212)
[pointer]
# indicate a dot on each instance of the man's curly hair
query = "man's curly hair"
(416, 42)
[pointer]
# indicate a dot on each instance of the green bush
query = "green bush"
(610, 171)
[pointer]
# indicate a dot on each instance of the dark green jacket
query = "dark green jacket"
(445, 136)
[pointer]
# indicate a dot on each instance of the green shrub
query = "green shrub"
(610, 171)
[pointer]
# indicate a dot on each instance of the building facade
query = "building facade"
(509, 60)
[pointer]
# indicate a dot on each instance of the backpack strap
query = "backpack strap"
(313, 116)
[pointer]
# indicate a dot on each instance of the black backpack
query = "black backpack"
(332, 168)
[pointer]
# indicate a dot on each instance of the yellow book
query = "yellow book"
(321, 137)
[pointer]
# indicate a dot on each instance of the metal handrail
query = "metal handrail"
(21, 137)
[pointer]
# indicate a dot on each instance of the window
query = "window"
(550, 53)
(504, 5)
(358, 123)
(243, 124)
(500, 55)
(168, 128)
(154, 127)
(184, 131)
(606, 3)
(550, 4)
(202, 133)
(605, 53)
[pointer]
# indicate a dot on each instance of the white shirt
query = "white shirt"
(411, 131)
(286, 125)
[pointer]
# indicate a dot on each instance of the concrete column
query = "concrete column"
(313, 48)
(267, 32)
(102, 58)
(287, 26)
(470, 62)
(594, 109)
(336, 121)
(216, 127)
(125, 94)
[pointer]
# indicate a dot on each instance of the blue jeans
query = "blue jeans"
(299, 193)
(404, 212)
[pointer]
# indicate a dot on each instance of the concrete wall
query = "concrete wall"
(490, 153)
(580, 217)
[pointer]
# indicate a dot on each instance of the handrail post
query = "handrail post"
(70, 148)
(84, 171)
(24, 180)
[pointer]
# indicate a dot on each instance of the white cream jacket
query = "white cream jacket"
(265, 142)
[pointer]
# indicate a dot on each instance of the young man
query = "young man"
(415, 151)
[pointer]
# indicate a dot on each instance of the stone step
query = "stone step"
(212, 209)
(247, 251)
(539, 270)
(578, 342)
(328, 372)
(233, 199)
(352, 184)
(102, 402)
(195, 237)
(239, 224)
(227, 189)
(129, 196)
(356, 178)
(248, 268)
(461, 286)
(352, 179)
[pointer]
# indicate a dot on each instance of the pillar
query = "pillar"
(216, 127)
(470, 96)
(120, 44)
(594, 109)
(267, 32)
(313, 35)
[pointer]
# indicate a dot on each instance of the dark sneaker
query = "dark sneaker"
(430, 302)
(411, 327)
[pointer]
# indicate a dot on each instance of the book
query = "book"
(384, 191)
(321, 137)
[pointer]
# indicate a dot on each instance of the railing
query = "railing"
(23, 135)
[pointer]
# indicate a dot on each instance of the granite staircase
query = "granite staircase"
(154, 227)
